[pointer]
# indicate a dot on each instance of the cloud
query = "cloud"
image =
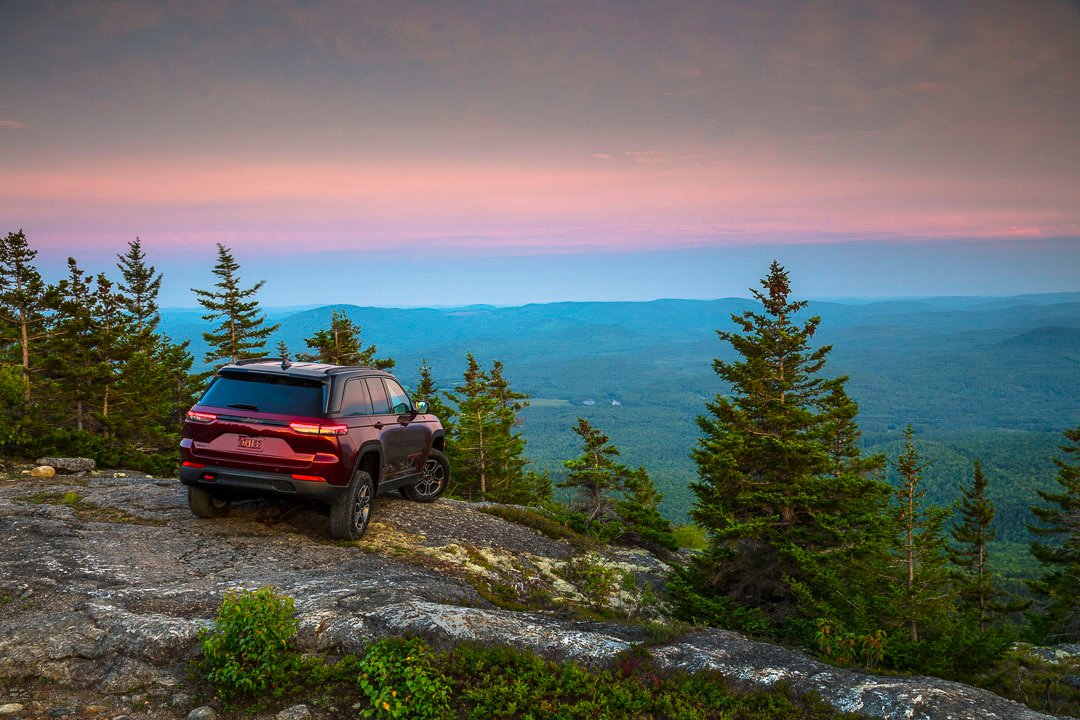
(601, 156)
(12, 124)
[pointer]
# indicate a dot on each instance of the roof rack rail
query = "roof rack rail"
(249, 361)
(349, 368)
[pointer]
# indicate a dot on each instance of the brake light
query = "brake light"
(201, 417)
(311, 429)
(197, 466)
(309, 478)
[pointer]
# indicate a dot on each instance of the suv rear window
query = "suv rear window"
(266, 393)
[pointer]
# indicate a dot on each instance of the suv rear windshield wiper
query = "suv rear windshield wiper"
(243, 406)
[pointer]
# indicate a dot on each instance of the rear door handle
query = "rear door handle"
(378, 426)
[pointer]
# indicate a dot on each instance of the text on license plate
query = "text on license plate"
(249, 443)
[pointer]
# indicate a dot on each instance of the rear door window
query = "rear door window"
(265, 393)
(355, 401)
(380, 401)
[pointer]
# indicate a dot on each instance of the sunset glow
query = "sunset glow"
(537, 128)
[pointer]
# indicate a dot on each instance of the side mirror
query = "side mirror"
(421, 407)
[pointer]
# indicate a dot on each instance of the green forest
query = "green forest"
(893, 485)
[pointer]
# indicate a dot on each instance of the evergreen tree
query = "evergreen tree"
(113, 342)
(971, 551)
(596, 474)
(23, 307)
(72, 348)
(155, 385)
(429, 392)
(485, 450)
(471, 453)
(782, 489)
(340, 344)
(509, 452)
(282, 350)
(922, 589)
(639, 510)
(139, 289)
(1059, 521)
(242, 331)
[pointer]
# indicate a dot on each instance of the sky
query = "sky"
(403, 153)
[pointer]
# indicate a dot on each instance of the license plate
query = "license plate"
(249, 443)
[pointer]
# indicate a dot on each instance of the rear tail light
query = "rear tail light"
(201, 417)
(310, 429)
(197, 466)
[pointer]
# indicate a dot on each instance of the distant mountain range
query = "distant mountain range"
(997, 373)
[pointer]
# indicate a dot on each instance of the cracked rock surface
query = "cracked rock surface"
(114, 607)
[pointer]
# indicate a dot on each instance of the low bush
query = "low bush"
(249, 651)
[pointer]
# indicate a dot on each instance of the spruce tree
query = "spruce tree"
(972, 536)
(1059, 522)
(922, 589)
(487, 453)
(139, 289)
(781, 487)
(282, 350)
(72, 362)
(639, 511)
(340, 344)
(155, 385)
(113, 342)
(596, 474)
(471, 452)
(242, 330)
(23, 307)
(429, 392)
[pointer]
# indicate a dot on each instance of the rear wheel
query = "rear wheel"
(205, 504)
(434, 480)
(350, 513)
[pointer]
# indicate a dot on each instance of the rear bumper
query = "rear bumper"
(230, 481)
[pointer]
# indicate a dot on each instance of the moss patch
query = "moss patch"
(87, 511)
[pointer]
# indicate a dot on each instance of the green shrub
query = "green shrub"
(693, 537)
(593, 579)
(401, 679)
(248, 652)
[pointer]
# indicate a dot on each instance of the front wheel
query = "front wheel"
(205, 504)
(350, 513)
(433, 482)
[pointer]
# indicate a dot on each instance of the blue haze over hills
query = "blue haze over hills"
(993, 377)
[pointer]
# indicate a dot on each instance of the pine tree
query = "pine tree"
(486, 452)
(1059, 521)
(155, 385)
(639, 510)
(113, 341)
(23, 306)
(782, 490)
(242, 331)
(471, 452)
(282, 350)
(509, 451)
(970, 554)
(923, 592)
(596, 474)
(139, 289)
(429, 392)
(340, 344)
(71, 360)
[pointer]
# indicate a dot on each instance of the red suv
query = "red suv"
(338, 435)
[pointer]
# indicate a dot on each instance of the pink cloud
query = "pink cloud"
(12, 124)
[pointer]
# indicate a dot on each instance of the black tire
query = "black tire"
(351, 513)
(205, 504)
(434, 481)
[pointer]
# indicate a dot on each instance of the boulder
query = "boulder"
(68, 464)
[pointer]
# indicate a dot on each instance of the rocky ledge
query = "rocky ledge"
(105, 584)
